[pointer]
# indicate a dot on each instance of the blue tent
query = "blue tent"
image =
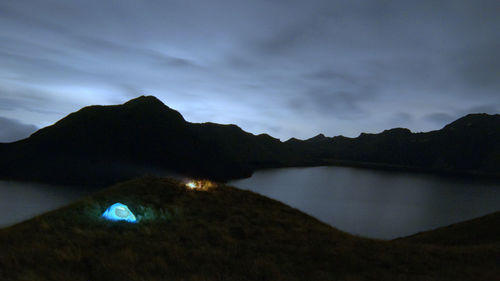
(119, 212)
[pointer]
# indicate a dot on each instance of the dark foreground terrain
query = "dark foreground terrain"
(223, 233)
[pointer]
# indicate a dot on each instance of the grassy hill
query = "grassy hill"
(223, 233)
(483, 230)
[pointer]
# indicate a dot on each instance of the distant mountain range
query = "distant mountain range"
(104, 144)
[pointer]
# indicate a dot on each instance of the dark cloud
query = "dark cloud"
(328, 103)
(484, 108)
(27, 99)
(13, 130)
(330, 75)
(440, 118)
(479, 67)
(402, 119)
(344, 66)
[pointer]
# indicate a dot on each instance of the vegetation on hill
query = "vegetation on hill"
(222, 233)
(483, 230)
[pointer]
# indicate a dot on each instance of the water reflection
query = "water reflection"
(20, 201)
(378, 204)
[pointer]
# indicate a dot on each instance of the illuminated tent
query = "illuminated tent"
(119, 212)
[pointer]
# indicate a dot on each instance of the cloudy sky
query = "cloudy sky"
(283, 67)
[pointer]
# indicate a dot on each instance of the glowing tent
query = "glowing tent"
(119, 212)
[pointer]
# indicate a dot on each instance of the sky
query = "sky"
(283, 67)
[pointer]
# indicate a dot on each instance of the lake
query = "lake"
(20, 201)
(370, 203)
(375, 203)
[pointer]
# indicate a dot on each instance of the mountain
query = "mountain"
(109, 143)
(225, 233)
(105, 144)
(471, 145)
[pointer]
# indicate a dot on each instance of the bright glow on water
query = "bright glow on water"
(374, 203)
(119, 212)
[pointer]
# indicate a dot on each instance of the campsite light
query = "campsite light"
(119, 212)
(200, 185)
(192, 185)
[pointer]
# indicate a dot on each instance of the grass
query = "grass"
(223, 233)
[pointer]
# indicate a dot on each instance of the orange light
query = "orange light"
(200, 185)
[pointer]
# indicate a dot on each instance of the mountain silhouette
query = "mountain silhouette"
(104, 144)
(471, 145)
(110, 143)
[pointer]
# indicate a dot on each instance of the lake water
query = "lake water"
(374, 203)
(20, 201)
(371, 203)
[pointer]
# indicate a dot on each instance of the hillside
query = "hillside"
(470, 144)
(221, 233)
(106, 144)
(483, 230)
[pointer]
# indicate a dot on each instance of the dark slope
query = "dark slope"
(104, 144)
(469, 145)
(480, 231)
(219, 234)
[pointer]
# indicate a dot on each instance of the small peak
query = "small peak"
(292, 140)
(397, 131)
(478, 115)
(474, 119)
(265, 136)
(152, 105)
(317, 138)
(268, 137)
(145, 100)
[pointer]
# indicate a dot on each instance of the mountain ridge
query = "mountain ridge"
(85, 145)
